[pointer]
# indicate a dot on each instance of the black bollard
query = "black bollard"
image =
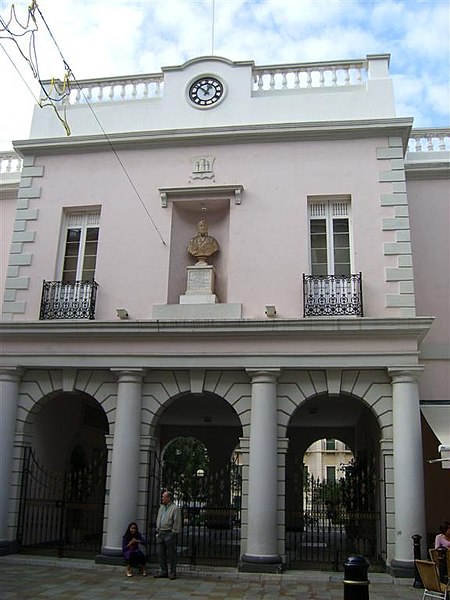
(356, 583)
(417, 556)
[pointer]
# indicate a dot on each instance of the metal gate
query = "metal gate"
(61, 513)
(211, 513)
(328, 521)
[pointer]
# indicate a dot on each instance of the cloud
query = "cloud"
(102, 38)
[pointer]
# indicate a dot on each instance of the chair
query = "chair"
(434, 556)
(429, 575)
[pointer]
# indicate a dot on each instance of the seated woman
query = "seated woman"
(443, 537)
(134, 557)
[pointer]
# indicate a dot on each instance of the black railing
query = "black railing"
(68, 300)
(332, 295)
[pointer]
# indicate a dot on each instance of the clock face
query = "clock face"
(206, 92)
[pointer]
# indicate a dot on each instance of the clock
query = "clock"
(206, 91)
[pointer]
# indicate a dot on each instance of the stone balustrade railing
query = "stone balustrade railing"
(310, 75)
(421, 140)
(265, 78)
(112, 89)
(10, 162)
(429, 140)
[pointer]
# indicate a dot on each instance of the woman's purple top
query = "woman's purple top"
(128, 552)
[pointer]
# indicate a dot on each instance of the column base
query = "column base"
(260, 564)
(7, 547)
(110, 556)
(402, 568)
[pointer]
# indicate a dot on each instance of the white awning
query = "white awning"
(438, 418)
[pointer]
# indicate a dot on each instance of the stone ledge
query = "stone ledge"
(166, 312)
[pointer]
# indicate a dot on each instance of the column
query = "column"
(262, 539)
(124, 481)
(9, 394)
(409, 495)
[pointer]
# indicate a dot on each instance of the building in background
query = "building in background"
(326, 459)
(311, 305)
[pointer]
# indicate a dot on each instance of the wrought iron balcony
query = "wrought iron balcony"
(68, 300)
(332, 295)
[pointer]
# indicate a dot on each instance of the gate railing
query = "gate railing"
(211, 514)
(61, 513)
(327, 521)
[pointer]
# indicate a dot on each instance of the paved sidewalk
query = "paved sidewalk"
(33, 578)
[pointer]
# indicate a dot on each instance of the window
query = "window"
(331, 474)
(329, 232)
(80, 246)
(330, 444)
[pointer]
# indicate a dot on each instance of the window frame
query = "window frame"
(322, 208)
(83, 219)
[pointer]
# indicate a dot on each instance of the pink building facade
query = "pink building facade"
(324, 313)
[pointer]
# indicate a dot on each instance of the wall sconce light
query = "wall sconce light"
(271, 311)
(122, 313)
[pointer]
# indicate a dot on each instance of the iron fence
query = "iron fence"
(61, 513)
(210, 504)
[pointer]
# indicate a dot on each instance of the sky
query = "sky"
(104, 38)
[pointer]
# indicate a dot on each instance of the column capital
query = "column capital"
(405, 374)
(263, 375)
(129, 375)
(12, 374)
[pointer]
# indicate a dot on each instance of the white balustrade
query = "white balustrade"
(112, 89)
(309, 75)
(10, 162)
(429, 140)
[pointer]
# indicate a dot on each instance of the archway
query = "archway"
(64, 474)
(329, 516)
(197, 460)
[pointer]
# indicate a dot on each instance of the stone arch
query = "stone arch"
(67, 426)
(37, 387)
(354, 406)
(371, 387)
(162, 388)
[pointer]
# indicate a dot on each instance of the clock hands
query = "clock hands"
(206, 88)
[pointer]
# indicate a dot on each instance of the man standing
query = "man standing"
(168, 526)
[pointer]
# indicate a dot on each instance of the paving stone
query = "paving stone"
(26, 578)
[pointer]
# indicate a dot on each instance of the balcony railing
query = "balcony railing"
(68, 300)
(332, 295)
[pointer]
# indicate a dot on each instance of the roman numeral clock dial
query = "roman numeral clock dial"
(206, 92)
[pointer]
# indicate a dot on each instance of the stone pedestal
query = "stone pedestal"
(200, 285)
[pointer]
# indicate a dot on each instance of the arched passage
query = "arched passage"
(206, 483)
(327, 520)
(64, 473)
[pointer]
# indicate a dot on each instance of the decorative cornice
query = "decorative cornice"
(200, 191)
(415, 327)
(268, 132)
(427, 170)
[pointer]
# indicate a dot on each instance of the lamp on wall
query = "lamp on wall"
(271, 311)
(122, 313)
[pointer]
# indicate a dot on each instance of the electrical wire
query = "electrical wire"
(65, 92)
(19, 73)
